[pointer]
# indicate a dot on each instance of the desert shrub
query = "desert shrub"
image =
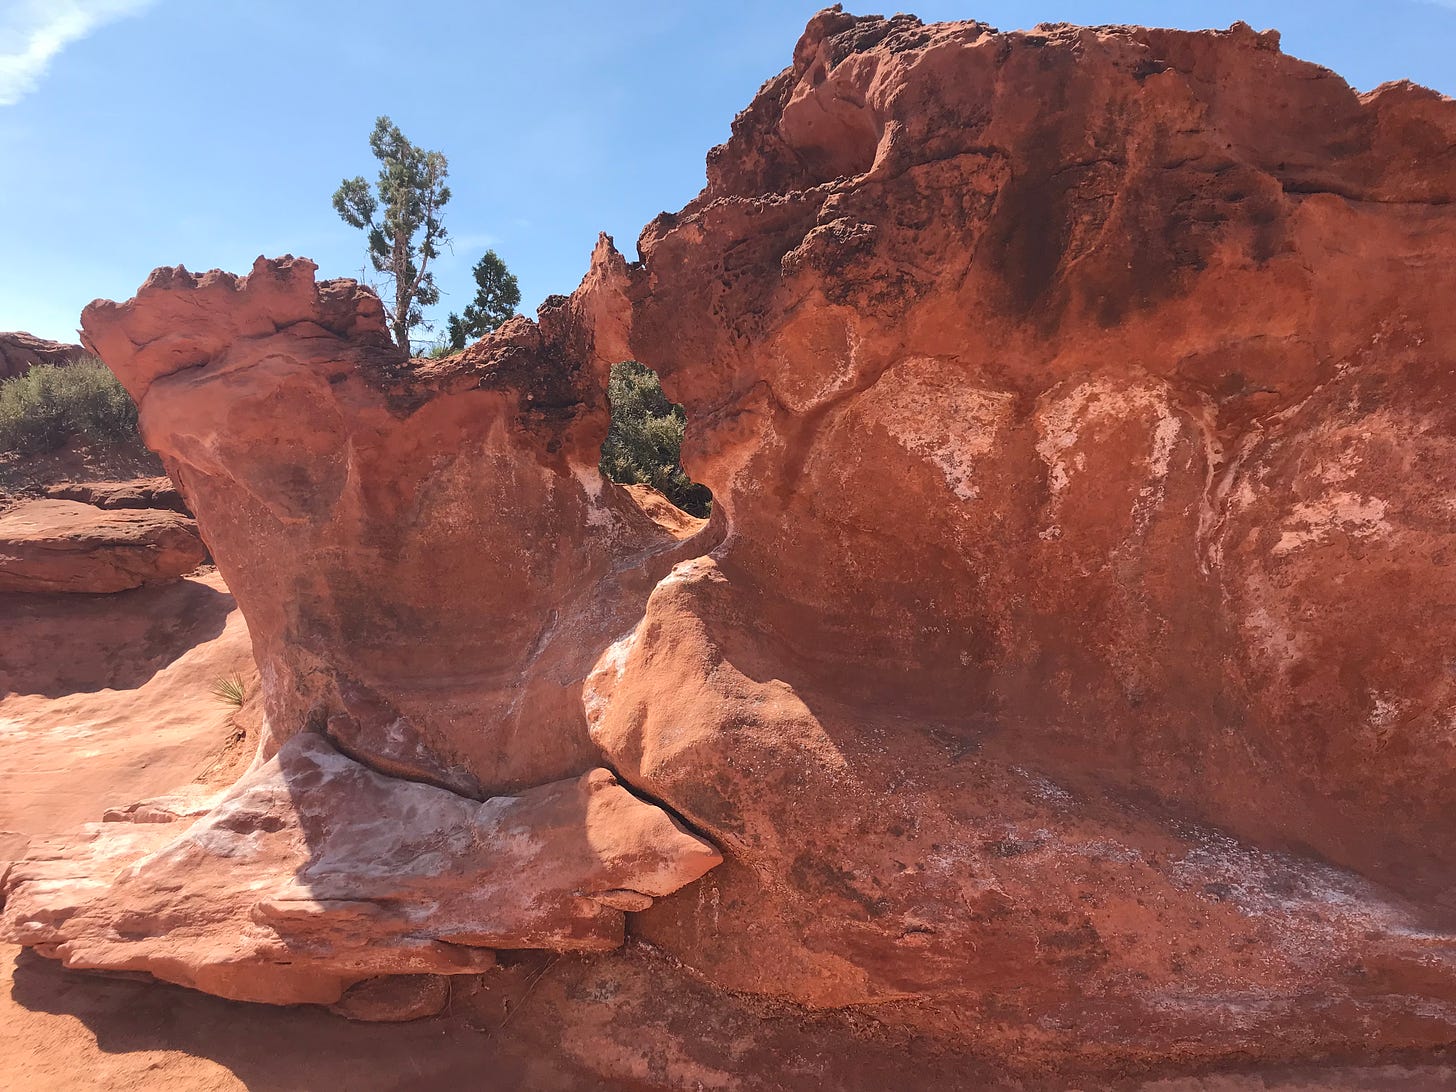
(229, 689)
(644, 444)
(48, 405)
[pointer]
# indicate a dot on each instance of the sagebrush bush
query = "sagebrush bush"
(644, 444)
(48, 405)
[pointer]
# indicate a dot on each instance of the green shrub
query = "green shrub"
(644, 444)
(229, 689)
(48, 405)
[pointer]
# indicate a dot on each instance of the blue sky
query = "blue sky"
(138, 133)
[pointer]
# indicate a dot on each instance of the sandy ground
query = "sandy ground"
(65, 1031)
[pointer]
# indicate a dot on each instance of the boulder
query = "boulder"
(67, 546)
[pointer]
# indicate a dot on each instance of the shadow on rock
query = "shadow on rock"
(266, 1047)
(115, 642)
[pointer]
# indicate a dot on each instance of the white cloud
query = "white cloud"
(479, 240)
(32, 32)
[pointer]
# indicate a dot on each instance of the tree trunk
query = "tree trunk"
(402, 292)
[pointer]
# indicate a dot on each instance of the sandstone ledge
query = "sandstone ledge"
(313, 874)
(67, 546)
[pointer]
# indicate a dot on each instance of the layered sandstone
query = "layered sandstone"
(69, 546)
(417, 546)
(314, 873)
(1066, 669)
(322, 449)
(136, 493)
(19, 352)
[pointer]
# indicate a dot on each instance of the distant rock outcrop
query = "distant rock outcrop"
(1066, 672)
(19, 352)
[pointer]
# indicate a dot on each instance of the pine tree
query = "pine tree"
(411, 191)
(497, 295)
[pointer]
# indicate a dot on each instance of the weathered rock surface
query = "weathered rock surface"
(314, 874)
(399, 488)
(1082, 432)
(67, 546)
(1065, 671)
(140, 493)
(19, 352)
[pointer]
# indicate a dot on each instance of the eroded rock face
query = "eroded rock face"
(1083, 431)
(1065, 671)
(401, 596)
(68, 546)
(423, 547)
(19, 352)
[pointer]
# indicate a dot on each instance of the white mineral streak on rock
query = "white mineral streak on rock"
(314, 873)
(926, 405)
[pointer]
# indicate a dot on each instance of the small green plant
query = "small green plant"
(229, 690)
(48, 405)
(644, 444)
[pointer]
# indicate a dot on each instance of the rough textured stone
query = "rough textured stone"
(315, 873)
(141, 493)
(19, 352)
(1065, 670)
(66, 546)
(395, 998)
(403, 488)
(1083, 436)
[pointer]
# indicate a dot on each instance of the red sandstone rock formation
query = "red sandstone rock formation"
(360, 494)
(139, 493)
(1065, 671)
(67, 546)
(19, 352)
(360, 519)
(314, 874)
